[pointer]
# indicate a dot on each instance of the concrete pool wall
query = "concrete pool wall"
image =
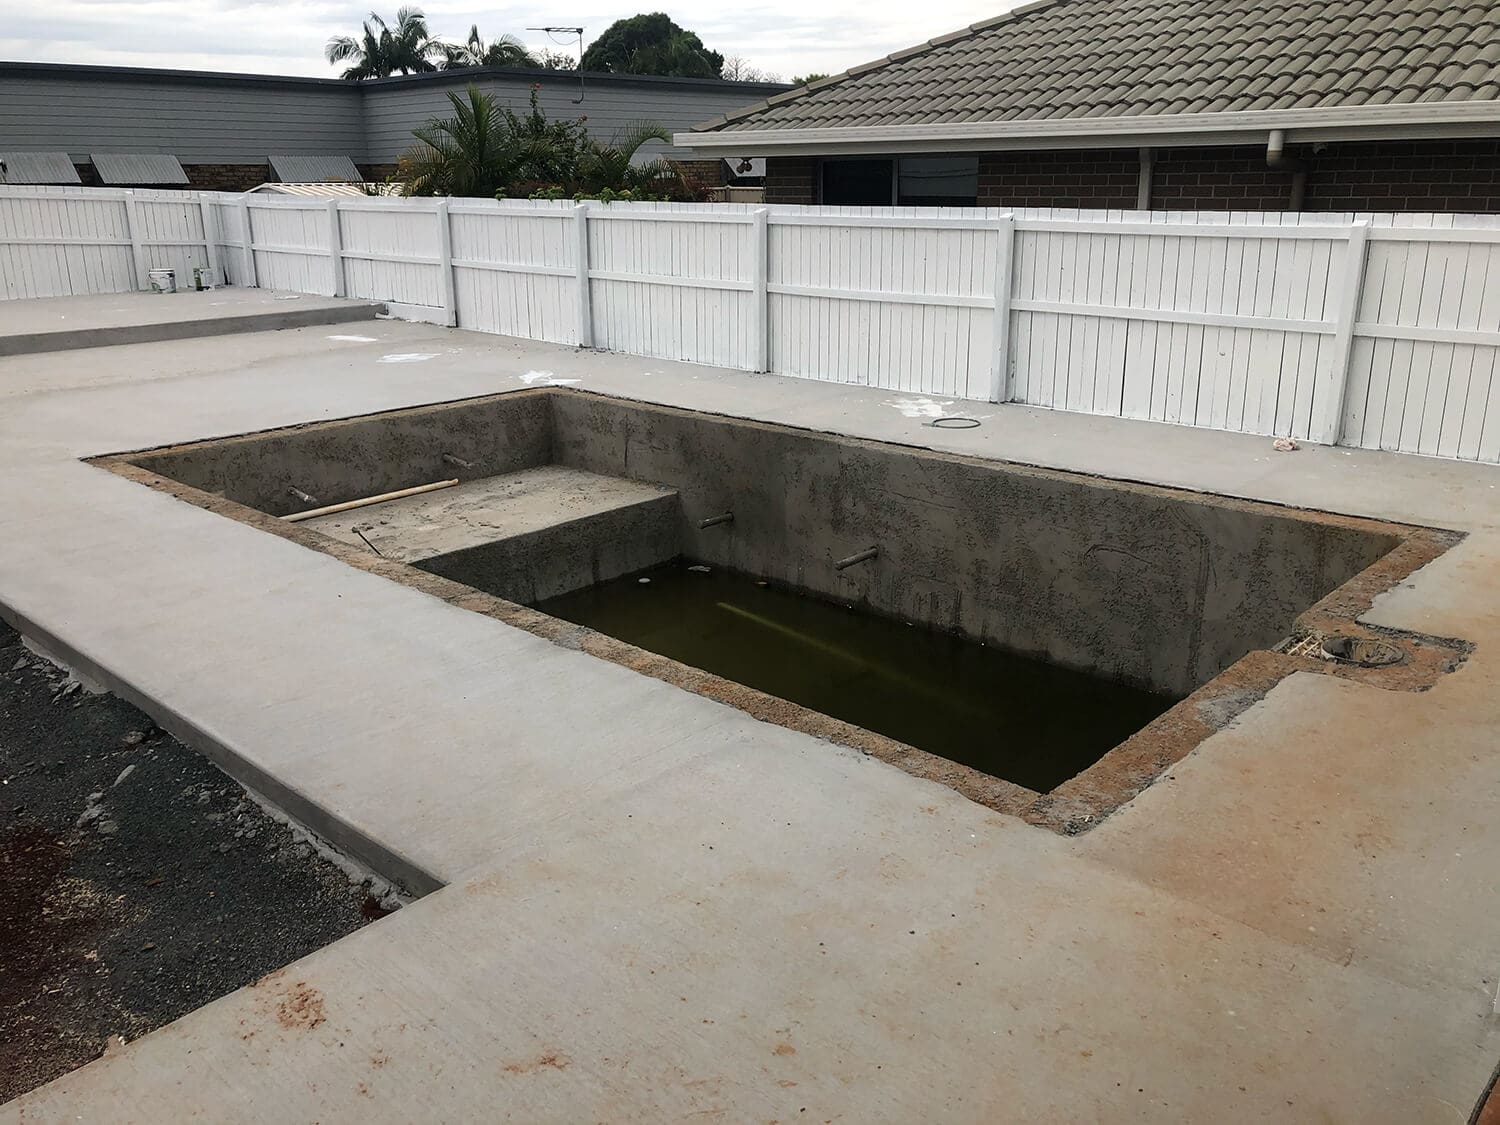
(1158, 589)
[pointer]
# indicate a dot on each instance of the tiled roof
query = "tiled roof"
(1124, 58)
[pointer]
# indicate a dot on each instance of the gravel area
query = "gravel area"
(139, 882)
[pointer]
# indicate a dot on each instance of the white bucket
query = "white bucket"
(163, 281)
(205, 278)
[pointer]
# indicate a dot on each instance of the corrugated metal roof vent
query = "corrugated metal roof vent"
(145, 168)
(315, 169)
(37, 168)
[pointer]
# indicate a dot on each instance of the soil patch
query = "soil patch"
(139, 881)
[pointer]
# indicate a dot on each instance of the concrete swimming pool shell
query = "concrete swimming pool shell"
(1171, 611)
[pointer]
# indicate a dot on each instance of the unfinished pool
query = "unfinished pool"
(1028, 721)
(1023, 635)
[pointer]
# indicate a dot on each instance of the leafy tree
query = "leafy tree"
(486, 149)
(808, 79)
(556, 60)
(651, 43)
(383, 50)
(507, 50)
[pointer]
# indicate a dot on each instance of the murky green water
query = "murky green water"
(1024, 720)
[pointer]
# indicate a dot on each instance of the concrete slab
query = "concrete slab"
(1298, 924)
(477, 513)
(53, 324)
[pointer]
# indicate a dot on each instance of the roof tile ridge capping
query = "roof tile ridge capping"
(974, 29)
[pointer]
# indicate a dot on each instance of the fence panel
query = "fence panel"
(673, 286)
(1424, 371)
(515, 270)
(390, 251)
(57, 245)
(899, 302)
(1203, 324)
(1378, 331)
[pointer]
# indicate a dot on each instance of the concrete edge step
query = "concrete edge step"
(70, 339)
(346, 838)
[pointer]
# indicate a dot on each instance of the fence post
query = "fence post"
(581, 250)
(1330, 427)
(248, 246)
(137, 251)
(760, 251)
(336, 247)
(1002, 380)
(210, 235)
(445, 263)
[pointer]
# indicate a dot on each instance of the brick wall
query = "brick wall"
(791, 179)
(1085, 178)
(227, 177)
(1364, 176)
(1218, 179)
(702, 176)
(1406, 176)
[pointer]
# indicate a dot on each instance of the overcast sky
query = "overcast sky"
(288, 37)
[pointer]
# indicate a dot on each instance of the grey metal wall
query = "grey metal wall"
(209, 120)
(204, 118)
(394, 107)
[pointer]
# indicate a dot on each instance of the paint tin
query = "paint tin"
(163, 281)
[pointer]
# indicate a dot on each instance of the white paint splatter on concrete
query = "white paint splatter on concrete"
(919, 407)
(354, 339)
(546, 379)
(407, 357)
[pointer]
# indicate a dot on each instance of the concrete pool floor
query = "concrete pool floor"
(657, 907)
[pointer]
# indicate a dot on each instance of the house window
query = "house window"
(866, 182)
(911, 181)
(938, 181)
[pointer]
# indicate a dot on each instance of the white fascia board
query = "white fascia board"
(1425, 119)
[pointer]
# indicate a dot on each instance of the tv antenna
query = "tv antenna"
(553, 33)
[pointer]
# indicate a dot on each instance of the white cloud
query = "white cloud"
(288, 38)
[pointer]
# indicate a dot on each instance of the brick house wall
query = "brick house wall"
(702, 176)
(1407, 176)
(792, 179)
(1068, 178)
(1444, 176)
(227, 177)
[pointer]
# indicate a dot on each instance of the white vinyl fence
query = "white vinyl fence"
(1379, 331)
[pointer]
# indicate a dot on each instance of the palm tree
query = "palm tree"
(472, 153)
(507, 50)
(613, 166)
(383, 50)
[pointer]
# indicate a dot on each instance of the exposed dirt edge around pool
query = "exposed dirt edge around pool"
(269, 791)
(1073, 807)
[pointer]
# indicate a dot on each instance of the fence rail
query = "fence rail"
(1372, 330)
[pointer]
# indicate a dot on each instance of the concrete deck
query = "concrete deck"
(479, 512)
(658, 908)
(51, 324)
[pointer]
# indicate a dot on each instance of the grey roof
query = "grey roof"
(37, 168)
(315, 169)
(1123, 58)
(148, 168)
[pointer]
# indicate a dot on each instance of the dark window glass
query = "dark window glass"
(939, 181)
(858, 183)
